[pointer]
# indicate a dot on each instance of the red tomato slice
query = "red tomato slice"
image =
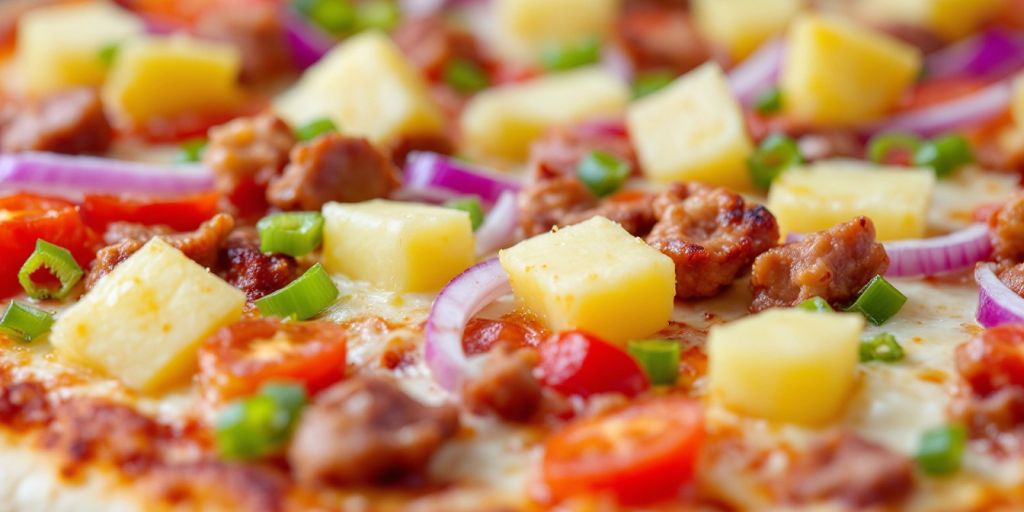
(993, 360)
(183, 213)
(641, 454)
(238, 359)
(936, 91)
(578, 363)
(25, 218)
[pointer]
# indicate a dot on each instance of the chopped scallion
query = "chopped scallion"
(882, 146)
(569, 56)
(259, 425)
(108, 53)
(658, 358)
(470, 205)
(881, 347)
(25, 322)
(303, 297)
(776, 153)
(377, 14)
(940, 449)
(602, 172)
(769, 102)
(291, 233)
(314, 129)
(816, 304)
(944, 154)
(464, 75)
(651, 82)
(334, 16)
(191, 151)
(878, 301)
(59, 262)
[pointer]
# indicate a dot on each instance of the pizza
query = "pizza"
(573, 255)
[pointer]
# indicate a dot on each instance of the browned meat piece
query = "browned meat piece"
(843, 467)
(631, 210)
(661, 37)
(545, 204)
(366, 429)
(247, 268)
(833, 264)
(119, 231)
(401, 148)
(246, 153)
(70, 122)
(711, 234)
(201, 245)
(1013, 277)
(1008, 231)
(562, 149)
(506, 385)
(915, 35)
(333, 167)
(992, 416)
(258, 34)
(87, 431)
(825, 143)
(431, 43)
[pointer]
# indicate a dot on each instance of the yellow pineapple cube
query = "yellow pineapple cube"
(785, 365)
(162, 77)
(741, 26)
(368, 88)
(503, 121)
(405, 247)
(593, 276)
(951, 19)
(836, 72)
(144, 321)
(525, 28)
(827, 193)
(692, 130)
(59, 47)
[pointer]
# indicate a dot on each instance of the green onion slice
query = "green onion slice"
(470, 205)
(944, 154)
(569, 56)
(769, 102)
(108, 53)
(816, 304)
(878, 301)
(59, 262)
(303, 297)
(261, 424)
(881, 347)
(651, 82)
(291, 233)
(314, 129)
(191, 151)
(659, 358)
(25, 322)
(940, 449)
(377, 14)
(334, 16)
(464, 75)
(882, 145)
(776, 153)
(602, 172)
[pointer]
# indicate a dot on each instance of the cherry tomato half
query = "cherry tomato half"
(936, 91)
(993, 359)
(579, 363)
(239, 358)
(183, 213)
(641, 454)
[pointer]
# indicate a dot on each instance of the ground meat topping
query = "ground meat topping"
(505, 385)
(258, 34)
(82, 430)
(661, 37)
(70, 122)
(559, 152)
(366, 429)
(833, 264)
(333, 167)
(246, 153)
(430, 43)
(545, 204)
(246, 267)
(846, 468)
(711, 234)
(1008, 231)
(632, 211)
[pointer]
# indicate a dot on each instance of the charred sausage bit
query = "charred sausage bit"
(661, 36)
(401, 148)
(97, 431)
(711, 234)
(201, 245)
(258, 34)
(1008, 231)
(70, 122)
(430, 43)
(246, 153)
(119, 231)
(333, 167)
(367, 430)
(243, 265)
(23, 404)
(632, 211)
(545, 204)
(559, 152)
(506, 385)
(833, 264)
(846, 468)
(993, 416)
(1012, 276)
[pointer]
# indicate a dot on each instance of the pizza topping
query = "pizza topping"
(256, 31)
(436, 48)
(245, 154)
(333, 168)
(940, 449)
(834, 264)
(561, 150)
(261, 424)
(659, 359)
(641, 454)
(294, 234)
(98, 431)
(505, 384)
(25, 323)
(182, 213)
(245, 266)
(70, 122)
(425, 171)
(661, 36)
(367, 430)
(58, 262)
(547, 203)
(59, 174)
(303, 298)
(842, 466)
(579, 364)
(993, 360)
(1008, 230)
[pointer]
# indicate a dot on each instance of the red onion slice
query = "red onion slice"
(499, 228)
(61, 174)
(459, 301)
(965, 111)
(430, 170)
(308, 44)
(994, 53)
(758, 72)
(997, 304)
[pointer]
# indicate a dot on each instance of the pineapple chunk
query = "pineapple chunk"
(168, 76)
(741, 26)
(368, 88)
(143, 321)
(1017, 105)
(693, 130)
(951, 19)
(593, 276)
(836, 72)
(785, 365)
(403, 247)
(59, 47)
(525, 28)
(816, 198)
(502, 122)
